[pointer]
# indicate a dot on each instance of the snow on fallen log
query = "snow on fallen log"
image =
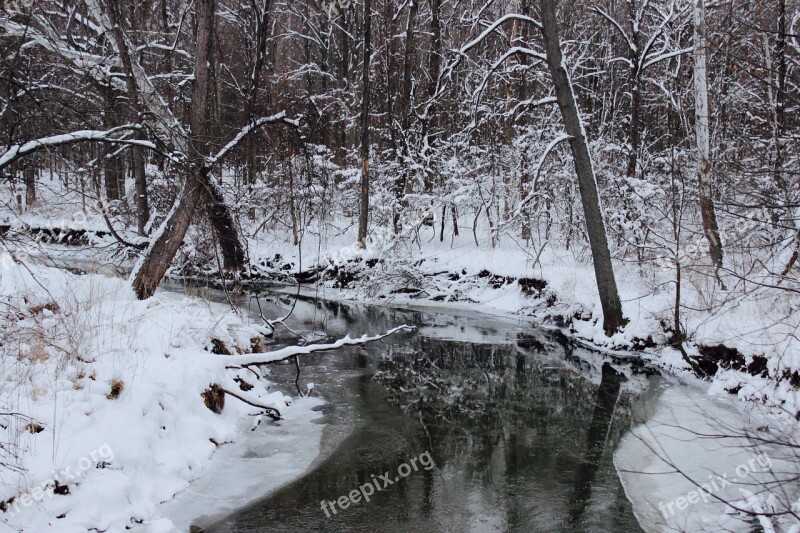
(266, 358)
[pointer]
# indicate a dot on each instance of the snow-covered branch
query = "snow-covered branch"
(493, 27)
(550, 147)
(19, 150)
(247, 130)
(631, 45)
(255, 359)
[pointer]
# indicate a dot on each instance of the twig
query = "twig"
(270, 411)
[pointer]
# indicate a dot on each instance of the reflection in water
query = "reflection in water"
(504, 421)
(596, 437)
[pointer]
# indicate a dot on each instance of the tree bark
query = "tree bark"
(635, 81)
(595, 226)
(30, 185)
(156, 261)
(262, 19)
(434, 69)
(402, 180)
(363, 215)
(110, 163)
(707, 212)
(137, 159)
(635, 125)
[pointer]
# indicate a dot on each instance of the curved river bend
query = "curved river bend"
(520, 425)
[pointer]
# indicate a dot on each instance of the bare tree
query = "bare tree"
(363, 214)
(595, 226)
(707, 211)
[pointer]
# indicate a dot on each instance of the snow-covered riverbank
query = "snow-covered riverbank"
(494, 283)
(104, 417)
(694, 463)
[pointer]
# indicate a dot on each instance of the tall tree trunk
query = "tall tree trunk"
(110, 163)
(780, 50)
(707, 212)
(434, 69)
(779, 126)
(262, 33)
(402, 180)
(140, 182)
(154, 264)
(603, 269)
(635, 82)
(137, 159)
(223, 224)
(363, 214)
(635, 125)
(780, 130)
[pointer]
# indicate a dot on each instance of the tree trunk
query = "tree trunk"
(402, 180)
(635, 126)
(363, 215)
(262, 33)
(140, 180)
(707, 212)
(434, 68)
(156, 261)
(110, 163)
(635, 82)
(30, 185)
(137, 159)
(603, 269)
(223, 224)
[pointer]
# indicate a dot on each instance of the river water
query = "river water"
(521, 426)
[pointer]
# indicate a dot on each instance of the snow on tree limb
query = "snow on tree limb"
(19, 150)
(247, 130)
(550, 147)
(255, 359)
(493, 27)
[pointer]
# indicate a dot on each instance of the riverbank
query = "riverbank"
(107, 409)
(743, 340)
(561, 298)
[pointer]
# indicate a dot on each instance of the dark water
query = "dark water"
(520, 426)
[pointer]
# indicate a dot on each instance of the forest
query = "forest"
(625, 173)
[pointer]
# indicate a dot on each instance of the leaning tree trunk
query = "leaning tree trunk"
(707, 212)
(363, 214)
(158, 257)
(603, 270)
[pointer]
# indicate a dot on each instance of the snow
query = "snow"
(688, 431)
(261, 462)
(756, 322)
(18, 150)
(121, 454)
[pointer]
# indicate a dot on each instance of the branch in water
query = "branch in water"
(270, 411)
(254, 359)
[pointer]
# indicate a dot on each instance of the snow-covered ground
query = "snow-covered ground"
(690, 457)
(112, 422)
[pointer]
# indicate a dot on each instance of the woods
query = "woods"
(420, 111)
